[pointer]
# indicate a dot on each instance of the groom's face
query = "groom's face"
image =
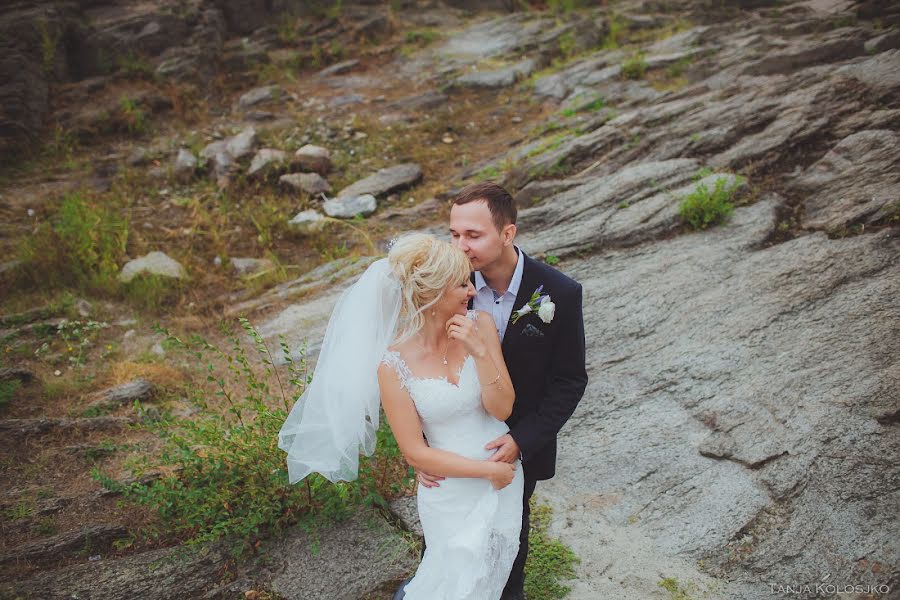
(473, 232)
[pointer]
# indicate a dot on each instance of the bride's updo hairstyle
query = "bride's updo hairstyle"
(425, 266)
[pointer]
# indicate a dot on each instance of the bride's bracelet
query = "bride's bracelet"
(496, 379)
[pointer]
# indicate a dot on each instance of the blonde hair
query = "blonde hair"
(425, 267)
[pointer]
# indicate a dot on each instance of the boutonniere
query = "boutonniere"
(542, 305)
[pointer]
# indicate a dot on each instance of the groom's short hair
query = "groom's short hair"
(499, 201)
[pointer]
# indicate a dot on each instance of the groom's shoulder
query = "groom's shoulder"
(550, 275)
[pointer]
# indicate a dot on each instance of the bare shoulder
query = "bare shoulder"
(482, 316)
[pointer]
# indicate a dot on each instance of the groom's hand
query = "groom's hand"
(427, 480)
(507, 449)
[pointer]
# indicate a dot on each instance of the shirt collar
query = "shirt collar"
(516, 280)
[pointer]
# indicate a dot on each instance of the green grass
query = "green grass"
(617, 33)
(549, 560)
(153, 293)
(703, 207)
(79, 246)
(592, 106)
(421, 37)
(8, 391)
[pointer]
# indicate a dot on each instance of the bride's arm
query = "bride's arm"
(404, 421)
(497, 393)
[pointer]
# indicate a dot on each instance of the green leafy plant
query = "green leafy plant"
(77, 337)
(225, 478)
(704, 207)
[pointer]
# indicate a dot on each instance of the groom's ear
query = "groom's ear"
(508, 233)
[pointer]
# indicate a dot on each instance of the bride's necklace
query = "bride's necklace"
(446, 349)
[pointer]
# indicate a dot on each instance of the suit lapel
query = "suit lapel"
(526, 288)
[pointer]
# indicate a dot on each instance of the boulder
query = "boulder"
(155, 263)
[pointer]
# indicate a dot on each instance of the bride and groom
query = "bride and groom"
(476, 353)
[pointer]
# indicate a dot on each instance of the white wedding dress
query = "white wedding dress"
(471, 529)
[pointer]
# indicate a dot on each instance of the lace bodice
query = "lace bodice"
(452, 415)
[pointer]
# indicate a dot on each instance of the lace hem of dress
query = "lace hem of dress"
(491, 549)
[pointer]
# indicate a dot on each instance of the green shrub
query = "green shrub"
(635, 67)
(224, 474)
(79, 246)
(702, 207)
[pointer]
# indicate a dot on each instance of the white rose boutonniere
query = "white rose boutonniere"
(537, 303)
(546, 310)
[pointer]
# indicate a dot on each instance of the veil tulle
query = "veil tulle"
(336, 417)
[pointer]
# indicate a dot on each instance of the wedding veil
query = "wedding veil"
(336, 417)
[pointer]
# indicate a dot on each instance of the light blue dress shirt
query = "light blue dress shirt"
(499, 306)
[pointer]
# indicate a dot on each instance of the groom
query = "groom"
(546, 361)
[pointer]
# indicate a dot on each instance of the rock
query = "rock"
(339, 68)
(267, 161)
(426, 101)
(19, 374)
(364, 545)
(307, 222)
(384, 181)
(313, 158)
(185, 165)
(266, 93)
(857, 181)
(878, 72)
(668, 433)
(98, 537)
(159, 574)
(885, 41)
(428, 211)
(341, 270)
(24, 77)
(139, 389)
(211, 149)
(248, 266)
(26, 427)
(242, 144)
(308, 183)
(805, 54)
(536, 191)
(345, 99)
(137, 157)
(405, 512)
(347, 207)
(497, 78)
(155, 263)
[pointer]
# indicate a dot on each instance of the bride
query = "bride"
(403, 330)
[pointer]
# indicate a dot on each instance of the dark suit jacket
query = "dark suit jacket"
(547, 371)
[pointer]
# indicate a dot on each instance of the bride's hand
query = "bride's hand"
(502, 474)
(466, 331)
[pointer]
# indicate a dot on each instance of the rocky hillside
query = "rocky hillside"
(739, 434)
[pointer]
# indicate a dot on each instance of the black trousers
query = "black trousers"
(516, 581)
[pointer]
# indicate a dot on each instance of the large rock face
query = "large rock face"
(740, 424)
